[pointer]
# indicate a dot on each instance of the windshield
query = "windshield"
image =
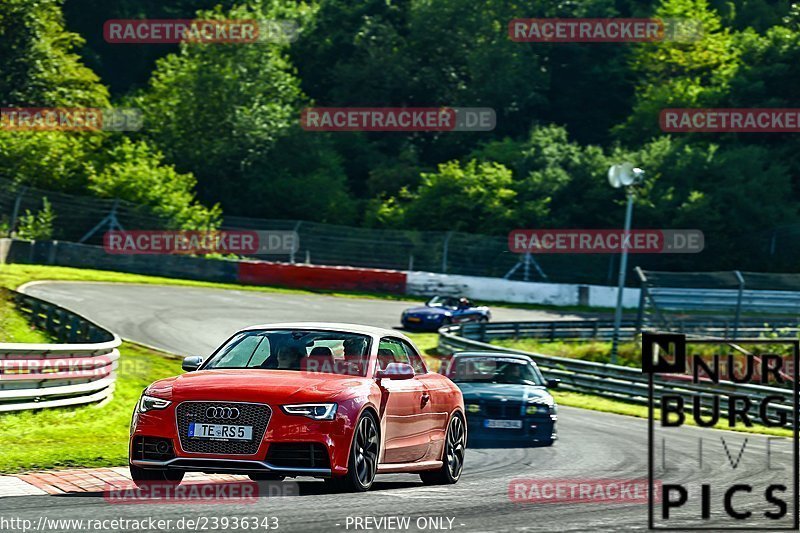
(495, 370)
(329, 352)
(442, 301)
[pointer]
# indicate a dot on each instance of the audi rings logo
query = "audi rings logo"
(223, 413)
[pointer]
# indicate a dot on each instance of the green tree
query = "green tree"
(37, 226)
(135, 172)
(230, 114)
(474, 197)
(558, 182)
(675, 74)
(40, 66)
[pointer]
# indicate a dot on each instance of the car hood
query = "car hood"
(498, 391)
(258, 385)
(425, 310)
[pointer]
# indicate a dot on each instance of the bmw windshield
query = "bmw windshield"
(330, 352)
(442, 301)
(495, 370)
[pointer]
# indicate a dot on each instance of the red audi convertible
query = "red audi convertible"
(335, 401)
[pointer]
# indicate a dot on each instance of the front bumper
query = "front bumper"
(424, 324)
(536, 429)
(229, 466)
(290, 446)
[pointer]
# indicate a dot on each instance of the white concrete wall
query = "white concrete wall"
(602, 296)
(502, 290)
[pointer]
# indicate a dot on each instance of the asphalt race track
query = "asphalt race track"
(592, 445)
(194, 321)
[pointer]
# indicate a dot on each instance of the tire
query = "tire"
(362, 464)
(453, 458)
(483, 320)
(142, 476)
(266, 477)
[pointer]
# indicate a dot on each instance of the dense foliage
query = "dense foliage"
(222, 121)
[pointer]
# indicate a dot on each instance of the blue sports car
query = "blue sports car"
(443, 310)
(506, 399)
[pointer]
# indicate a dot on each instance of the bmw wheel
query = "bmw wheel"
(453, 459)
(363, 463)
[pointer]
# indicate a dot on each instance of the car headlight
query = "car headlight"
(316, 411)
(473, 408)
(537, 408)
(149, 403)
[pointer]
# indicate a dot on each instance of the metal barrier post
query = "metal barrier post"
(738, 303)
(445, 251)
(15, 212)
(642, 299)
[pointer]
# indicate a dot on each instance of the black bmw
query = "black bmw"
(506, 399)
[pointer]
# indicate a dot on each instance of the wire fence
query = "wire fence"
(85, 219)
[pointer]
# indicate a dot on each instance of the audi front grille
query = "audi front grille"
(249, 414)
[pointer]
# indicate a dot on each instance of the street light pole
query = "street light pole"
(623, 176)
(623, 266)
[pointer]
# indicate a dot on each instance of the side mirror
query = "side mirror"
(396, 371)
(553, 383)
(192, 363)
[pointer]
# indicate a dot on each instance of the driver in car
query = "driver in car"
(512, 373)
(289, 358)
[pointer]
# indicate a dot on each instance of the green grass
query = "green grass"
(15, 328)
(629, 353)
(89, 436)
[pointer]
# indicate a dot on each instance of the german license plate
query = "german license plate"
(220, 431)
(502, 424)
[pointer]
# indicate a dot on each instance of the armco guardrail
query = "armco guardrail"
(726, 300)
(602, 379)
(36, 376)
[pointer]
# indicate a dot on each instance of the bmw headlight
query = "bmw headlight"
(539, 408)
(149, 403)
(315, 411)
